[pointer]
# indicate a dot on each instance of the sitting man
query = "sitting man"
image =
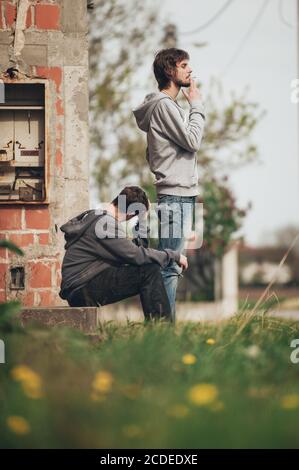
(101, 266)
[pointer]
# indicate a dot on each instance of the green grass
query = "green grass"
(149, 380)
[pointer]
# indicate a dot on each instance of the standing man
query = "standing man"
(172, 142)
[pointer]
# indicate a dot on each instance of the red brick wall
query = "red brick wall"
(31, 227)
(41, 15)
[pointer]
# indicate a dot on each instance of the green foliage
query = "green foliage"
(11, 246)
(222, 217)
(8, 310)
(227, 143)
(147, 402)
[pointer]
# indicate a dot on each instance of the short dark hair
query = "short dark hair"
(134, 195)
(165, 64)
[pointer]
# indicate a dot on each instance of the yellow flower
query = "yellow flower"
(30, 381)
(18, 425)
(178, 411)
(102, 382)
(25, 374)
(203, 394)
(290, 402)
(210, 341)
(189, 359)
(132, 431)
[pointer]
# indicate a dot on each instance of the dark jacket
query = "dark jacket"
(94, 242)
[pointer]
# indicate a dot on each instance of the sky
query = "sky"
(267, 63)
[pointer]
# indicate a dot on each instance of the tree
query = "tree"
(121, 34)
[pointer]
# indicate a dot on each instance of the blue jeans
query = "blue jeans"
(175, 215)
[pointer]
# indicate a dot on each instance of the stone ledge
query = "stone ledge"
(88, 319)
(82, 318)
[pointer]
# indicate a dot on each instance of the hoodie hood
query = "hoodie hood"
(75, 228)
(143, 112)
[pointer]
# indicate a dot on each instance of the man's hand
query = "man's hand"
(194, 93)
(183, 262)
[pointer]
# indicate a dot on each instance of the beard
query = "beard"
(181, 83)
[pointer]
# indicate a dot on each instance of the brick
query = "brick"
(43, 239)
(47, 17)
(10, 218)
(45, 298)
(21, 240)
(52, 73)
(3, 271)
(29, 17)
(37, 218)
(3, 251)
(2, 296)
(76, 22)
(59, 158)
(28, 299)
(40, 274)
(36, 55)
(59, 107)
(10, 13)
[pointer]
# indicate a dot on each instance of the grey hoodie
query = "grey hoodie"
(172, 142)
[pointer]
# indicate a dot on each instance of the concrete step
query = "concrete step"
(82, 318)
(88, 319)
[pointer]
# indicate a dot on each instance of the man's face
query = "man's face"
(182, 77)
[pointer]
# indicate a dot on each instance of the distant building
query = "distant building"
(259, 265)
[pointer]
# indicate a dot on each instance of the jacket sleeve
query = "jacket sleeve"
(126, 252)
(114, 246)
(166, 119)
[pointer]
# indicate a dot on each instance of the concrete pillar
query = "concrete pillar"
(230, 282)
